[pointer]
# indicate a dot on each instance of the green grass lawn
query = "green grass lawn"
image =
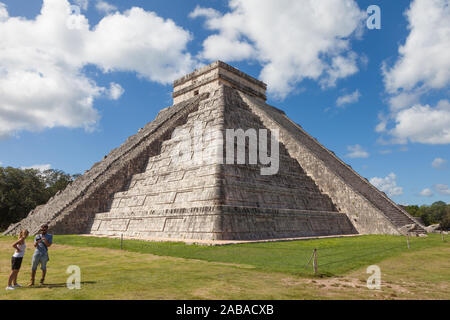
(336, 256)
(148, 270)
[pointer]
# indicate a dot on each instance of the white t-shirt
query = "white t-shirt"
(20, 254)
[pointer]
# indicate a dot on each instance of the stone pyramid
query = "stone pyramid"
(186, 176)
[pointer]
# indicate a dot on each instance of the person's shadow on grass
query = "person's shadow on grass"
(57, 285)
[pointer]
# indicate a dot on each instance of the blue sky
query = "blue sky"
(391, 126)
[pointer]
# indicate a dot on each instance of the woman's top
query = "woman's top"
(22, 248)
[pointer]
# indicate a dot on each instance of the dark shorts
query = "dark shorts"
(16, 262)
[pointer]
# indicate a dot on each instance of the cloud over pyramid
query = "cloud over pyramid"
(180, 177)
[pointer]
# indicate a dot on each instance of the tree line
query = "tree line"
(438, 212)
(22, 190)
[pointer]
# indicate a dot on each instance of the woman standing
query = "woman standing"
(16, 260)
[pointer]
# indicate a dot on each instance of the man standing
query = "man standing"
(41, 242)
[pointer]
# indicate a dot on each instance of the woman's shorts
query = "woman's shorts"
(16, 262)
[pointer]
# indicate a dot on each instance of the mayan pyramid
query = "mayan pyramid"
(175, 179)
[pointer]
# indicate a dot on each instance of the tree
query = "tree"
(438, 212)
(413, 210)
(22, 190)
(56, 180)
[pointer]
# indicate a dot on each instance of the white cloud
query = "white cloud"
(115, 91)
(403, 100)
(381, 126)
(218, 47)
(422, 58)
(439, 163)
(40, 167)
(442, 189)
(105, 7)
(387, 184)
(426, 193)
(341, 67)
(348, 98)
(205, 12)
(422, 67)
(356, 151)
(42, 84)
(142, 42)
(424, 124)
(293, 40)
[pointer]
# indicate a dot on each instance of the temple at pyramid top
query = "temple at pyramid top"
(212, 76)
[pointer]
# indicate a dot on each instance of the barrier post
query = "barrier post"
(315, 261)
